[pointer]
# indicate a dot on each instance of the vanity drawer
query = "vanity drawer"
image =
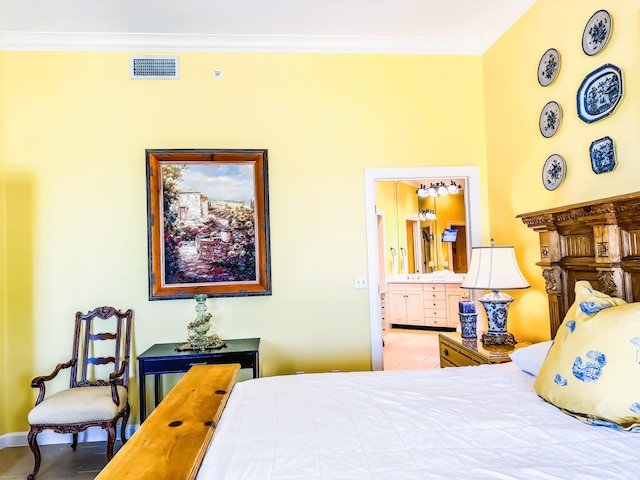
(437, 322)
(435, 317)
(433, 287)
(434, 295)
(438, 304)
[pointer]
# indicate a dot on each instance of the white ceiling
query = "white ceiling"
(349, 26)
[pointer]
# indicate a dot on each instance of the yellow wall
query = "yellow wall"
(515, 149)
(75, 130)
(4, 337)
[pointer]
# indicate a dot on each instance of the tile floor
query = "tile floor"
(410, 349)
(59, 462)
(403, 349)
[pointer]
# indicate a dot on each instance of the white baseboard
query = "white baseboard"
(15, 439)
(49, 437)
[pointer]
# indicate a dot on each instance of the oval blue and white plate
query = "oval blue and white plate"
(597, 32)
(600, 93)
(550, 119)
(548, 67)
(553, 172)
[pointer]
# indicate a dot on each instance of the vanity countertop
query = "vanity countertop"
(436, 277)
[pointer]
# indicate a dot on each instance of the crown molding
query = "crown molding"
(54, 41)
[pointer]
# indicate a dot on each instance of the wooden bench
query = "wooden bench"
(172, 441)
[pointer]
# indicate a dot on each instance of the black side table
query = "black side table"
(163, 358)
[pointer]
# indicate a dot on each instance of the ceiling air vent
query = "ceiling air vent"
(153, 67)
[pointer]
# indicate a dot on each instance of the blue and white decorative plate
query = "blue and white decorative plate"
(597, 32)
(553, 172)
(548, 67)
(603, 155)
(550, 119)
(600, 93)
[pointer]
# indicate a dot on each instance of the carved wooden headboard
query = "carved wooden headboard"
(598, 241)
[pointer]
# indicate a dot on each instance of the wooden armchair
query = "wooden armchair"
(98, 386)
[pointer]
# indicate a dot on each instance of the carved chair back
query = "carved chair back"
(101, 346)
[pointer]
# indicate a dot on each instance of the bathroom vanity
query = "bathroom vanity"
(425, 300)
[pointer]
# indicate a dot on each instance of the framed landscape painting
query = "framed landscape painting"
(208, 223)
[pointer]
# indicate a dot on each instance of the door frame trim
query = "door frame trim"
(473, 219)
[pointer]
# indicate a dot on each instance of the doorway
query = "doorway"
(414, 257)
(458, 249)
(473, 232)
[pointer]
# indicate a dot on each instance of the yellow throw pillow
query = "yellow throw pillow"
(593, 366)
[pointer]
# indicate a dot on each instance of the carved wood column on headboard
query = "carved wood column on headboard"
(598, 241)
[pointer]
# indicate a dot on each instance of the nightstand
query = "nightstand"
(456, 351)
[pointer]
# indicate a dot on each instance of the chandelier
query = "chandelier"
(438, 189)
(427, 214)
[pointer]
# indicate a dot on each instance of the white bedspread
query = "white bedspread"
(456, 423)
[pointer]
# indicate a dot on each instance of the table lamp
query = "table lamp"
(495, 268)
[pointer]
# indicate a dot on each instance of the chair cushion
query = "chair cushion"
(592, 369)
(78, 405)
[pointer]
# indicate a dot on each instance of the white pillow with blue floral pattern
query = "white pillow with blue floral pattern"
(592, 370)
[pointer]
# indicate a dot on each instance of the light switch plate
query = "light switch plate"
(360, 282)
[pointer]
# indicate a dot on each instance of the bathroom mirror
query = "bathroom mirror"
(424, 233)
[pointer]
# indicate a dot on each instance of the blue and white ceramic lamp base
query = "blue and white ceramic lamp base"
(496, 304)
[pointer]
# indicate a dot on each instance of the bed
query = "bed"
(464, 423)
(483, 422)
(563, 409)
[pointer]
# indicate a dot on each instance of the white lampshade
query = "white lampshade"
(494, 268)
